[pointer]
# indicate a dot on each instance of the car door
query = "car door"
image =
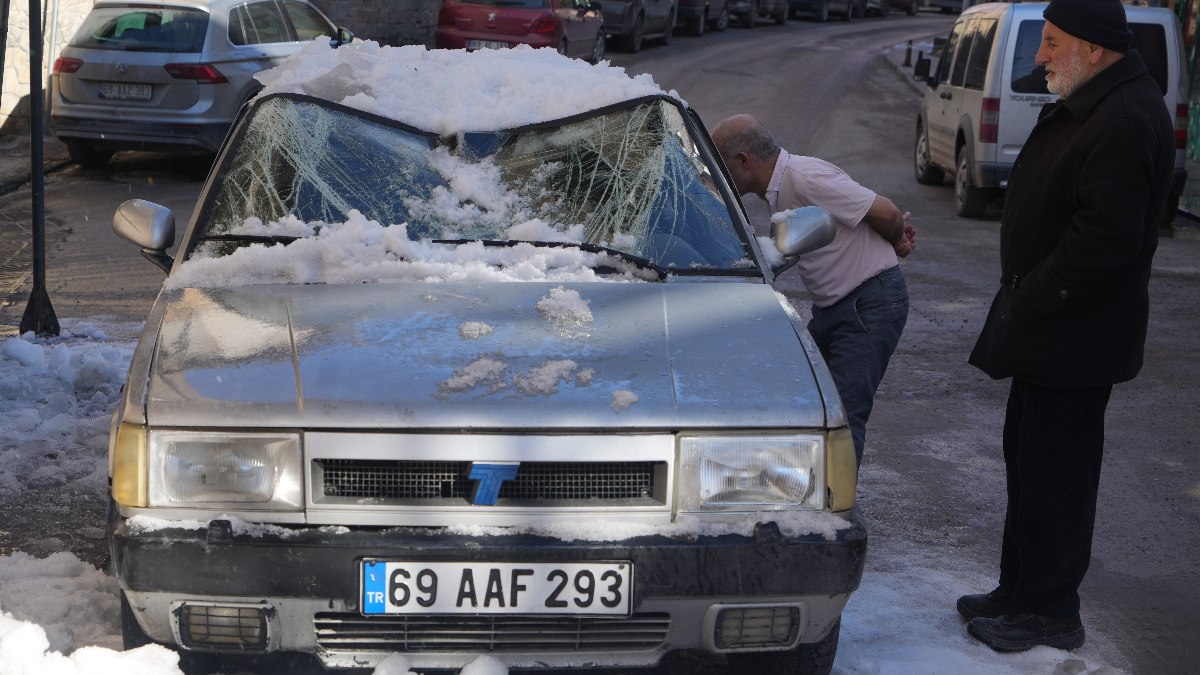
(942, 112)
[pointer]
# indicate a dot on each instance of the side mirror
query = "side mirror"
(802, 230)
(344, 37)
(148, 225)
(921, 70)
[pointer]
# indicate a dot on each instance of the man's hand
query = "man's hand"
(908, 242)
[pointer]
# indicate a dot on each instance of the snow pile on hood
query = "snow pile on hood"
(451, 90)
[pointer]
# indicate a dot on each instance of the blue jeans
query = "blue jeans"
(857, 336)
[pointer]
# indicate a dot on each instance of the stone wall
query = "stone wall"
(388, 22)
(59, 19)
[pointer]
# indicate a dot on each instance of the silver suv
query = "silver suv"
(170, 75)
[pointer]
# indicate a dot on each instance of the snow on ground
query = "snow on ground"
(61, 616)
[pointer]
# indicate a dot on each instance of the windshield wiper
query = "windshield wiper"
(252, 238)
(636, 260)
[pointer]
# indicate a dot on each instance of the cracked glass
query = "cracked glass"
(630, 179)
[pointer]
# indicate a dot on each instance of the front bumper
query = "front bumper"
(306, 581)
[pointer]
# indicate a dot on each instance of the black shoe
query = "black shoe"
(1019, 632)
(989, 605)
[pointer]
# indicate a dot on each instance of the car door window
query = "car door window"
(258, 23)
(981, 50)
(948, 52)
(958, 72)
(309, 23)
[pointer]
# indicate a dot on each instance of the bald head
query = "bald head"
(749, 151)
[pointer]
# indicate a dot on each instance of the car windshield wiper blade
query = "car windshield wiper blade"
(636, 260)
(253, 238)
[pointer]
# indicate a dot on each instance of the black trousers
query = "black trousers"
(1053, 446)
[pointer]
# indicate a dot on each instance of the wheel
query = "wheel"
(849, 11)
(87, 155)
(970, 200)
(806, 659)
(860, 11)
(696, 29)
(912, 8)
(669, 29)
(821, 13)
(750, 19)
(723, 20)
(598, 48)
(633, 41)
(927, 173)
(781, 16)
(562, 48)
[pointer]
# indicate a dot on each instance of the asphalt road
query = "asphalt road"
(931, 485)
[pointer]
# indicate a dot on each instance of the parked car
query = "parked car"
(170, 75)
(952, 6)
(457, 371)
(700, 15)
(909, 7)
(987, 91)
(750, 12)
(822, 9)
(573, 27)
(631, 22)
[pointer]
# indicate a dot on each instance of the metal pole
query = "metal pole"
(39, 314)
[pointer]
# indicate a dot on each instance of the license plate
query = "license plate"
(486, 44)
(125, 91)
(390, 587)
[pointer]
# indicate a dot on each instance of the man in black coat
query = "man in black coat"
(1078, 233)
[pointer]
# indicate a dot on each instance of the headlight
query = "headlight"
(242, 470)
(751, 473)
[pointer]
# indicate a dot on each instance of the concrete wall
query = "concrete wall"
(389, 22)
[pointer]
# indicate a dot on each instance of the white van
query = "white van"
(987, 91)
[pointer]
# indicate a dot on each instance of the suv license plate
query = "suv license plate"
(125, 91)
(486, 44)
(391, 587)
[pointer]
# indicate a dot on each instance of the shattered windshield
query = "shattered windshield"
(629, 180)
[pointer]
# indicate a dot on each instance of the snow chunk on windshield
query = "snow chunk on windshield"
(473, 330)
(363, 251)
(484, 90)
(565, 308)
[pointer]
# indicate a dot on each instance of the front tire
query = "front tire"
(723, 20)
(633, 41)
(927, 173)
(849, 11)
(598, 48)
(821, 13)
(805, 659)
(696, 29)
(669, 29)
(912, 9)
(971, 202)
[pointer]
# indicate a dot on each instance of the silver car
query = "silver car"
(170, 75)
(553, 413)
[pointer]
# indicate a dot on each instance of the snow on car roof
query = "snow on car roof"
(451, 90)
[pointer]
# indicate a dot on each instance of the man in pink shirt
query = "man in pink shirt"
(860, 299)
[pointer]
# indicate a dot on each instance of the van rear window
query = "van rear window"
(1029, 78)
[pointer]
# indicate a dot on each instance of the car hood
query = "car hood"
(480, 356)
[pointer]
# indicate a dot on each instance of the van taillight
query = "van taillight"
(66, 65)
(989, 120)
(202, 73)
(1181, 126)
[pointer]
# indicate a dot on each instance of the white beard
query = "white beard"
(1068, 76)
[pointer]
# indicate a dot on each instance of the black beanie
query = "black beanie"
(1101, 22)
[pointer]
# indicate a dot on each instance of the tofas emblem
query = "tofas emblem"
(488, 478)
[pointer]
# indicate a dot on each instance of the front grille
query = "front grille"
(350, 632)
(548, 483)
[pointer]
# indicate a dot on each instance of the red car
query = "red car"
(573, 27)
